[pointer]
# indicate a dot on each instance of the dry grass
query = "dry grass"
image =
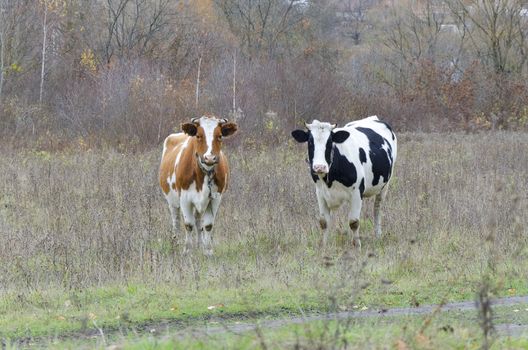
(87, 219)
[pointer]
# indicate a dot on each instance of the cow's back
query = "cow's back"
(172, 146)
(373, 146)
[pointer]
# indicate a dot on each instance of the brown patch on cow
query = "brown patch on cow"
(188, 170)
(173, 146)
(221, 176)
(323, 224)
(354, 224)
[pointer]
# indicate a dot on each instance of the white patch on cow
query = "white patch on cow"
(320, 133)
(209, 125)
(173, 199)
(172, 179)
(184, 146)
(333, 196)
(199, 200)
(361, 122)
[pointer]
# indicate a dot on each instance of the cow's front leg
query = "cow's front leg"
(175, 215)
(325, 219)
(208, 222)
(189, 220)
(174, 206)
(353, 217)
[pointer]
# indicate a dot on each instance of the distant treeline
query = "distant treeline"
(125, 73)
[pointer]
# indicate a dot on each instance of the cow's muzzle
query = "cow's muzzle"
(207, 160)
(210, 159)
(320, 169)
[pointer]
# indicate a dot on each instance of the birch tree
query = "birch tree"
(3, 29)
(50, 8)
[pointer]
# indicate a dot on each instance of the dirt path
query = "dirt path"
(171, 329)
(502, 329)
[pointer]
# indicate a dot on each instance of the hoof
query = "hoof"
(356, 243)
(354, 224)
(187, 248)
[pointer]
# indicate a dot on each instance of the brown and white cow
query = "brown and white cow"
(194, 174)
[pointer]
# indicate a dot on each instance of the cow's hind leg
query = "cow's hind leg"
(353, 218)
(380, 198)
(175, 215)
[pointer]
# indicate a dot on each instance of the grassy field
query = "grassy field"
(86, 238)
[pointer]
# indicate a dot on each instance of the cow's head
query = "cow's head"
(208, 133)
(320, 137)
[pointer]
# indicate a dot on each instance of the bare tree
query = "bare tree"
(3, 11)
(412, 35)
(136, 27)
(261, 24)
(352, 19)
(496, 31)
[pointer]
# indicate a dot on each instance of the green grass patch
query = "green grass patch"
(453, 330)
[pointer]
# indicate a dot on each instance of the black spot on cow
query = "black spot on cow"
(311, 150)
(362, 155)
(362, 187)
(341, 170)
(381, 160)
(388, 127)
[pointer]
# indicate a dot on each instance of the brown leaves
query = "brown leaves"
(401, 345)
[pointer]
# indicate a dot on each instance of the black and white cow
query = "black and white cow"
(348, 164)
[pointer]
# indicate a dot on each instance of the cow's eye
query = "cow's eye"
(219, 138)
(198, 137)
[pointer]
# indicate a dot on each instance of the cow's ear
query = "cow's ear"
(189, 128)
(300, 135)
(229, 129)
(340, 136)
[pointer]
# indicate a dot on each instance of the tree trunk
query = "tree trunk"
(43, 66)
(234, 83)
(198, 82)
(1, 62)
(2, 45)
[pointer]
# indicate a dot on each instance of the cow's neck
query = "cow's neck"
(340, 170)
(199, 171)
